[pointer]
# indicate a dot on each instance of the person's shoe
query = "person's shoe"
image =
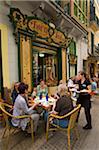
(87, 127)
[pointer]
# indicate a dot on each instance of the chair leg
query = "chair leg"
(47, 130)
(68, 134)
(32, 130)
(13, 131)
(7, 143)
(76, 133)
(4, 132)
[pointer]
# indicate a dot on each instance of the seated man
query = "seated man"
(63, 106)
(21, 108)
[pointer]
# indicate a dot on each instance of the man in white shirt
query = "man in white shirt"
(21, 108)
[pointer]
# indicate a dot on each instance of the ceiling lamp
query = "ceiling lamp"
(41, 55)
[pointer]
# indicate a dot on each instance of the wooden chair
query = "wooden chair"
(4, 107)
(71, 125)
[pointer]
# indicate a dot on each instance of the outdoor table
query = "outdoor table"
(46, 104)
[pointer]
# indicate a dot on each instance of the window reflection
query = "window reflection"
(45, 67)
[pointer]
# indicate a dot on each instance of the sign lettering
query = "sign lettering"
(40, 27)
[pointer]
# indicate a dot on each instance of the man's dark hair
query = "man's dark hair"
(22, 87)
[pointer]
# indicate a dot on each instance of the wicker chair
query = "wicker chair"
(71, 125)
(8, 126)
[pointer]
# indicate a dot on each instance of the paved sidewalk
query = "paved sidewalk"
(89, 140)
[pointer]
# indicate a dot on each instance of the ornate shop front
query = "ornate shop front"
(41, 49)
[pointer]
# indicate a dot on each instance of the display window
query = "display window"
(45, 66)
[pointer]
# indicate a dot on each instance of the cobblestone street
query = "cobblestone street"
(89, 140)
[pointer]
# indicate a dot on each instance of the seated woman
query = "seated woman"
(63, 106)
(42, 89)
(61, 83)
(21, 108)
(15, 92)
(34, 93)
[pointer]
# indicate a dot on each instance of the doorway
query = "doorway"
(92, 70)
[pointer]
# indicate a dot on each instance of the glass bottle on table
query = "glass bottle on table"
(47, 97)
(40, 96)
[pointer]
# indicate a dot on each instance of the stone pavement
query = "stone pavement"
(89, 140)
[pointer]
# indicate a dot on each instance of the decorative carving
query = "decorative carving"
(58, 37)
(73, 59)
(38, 28)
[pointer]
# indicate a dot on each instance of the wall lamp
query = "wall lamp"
(52, 25)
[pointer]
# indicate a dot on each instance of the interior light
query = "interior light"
(41, 55)
(98, 62)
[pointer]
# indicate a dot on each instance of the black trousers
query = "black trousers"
(84, 100)
(87, 115)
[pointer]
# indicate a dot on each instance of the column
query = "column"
(64, 66)
(25, 60)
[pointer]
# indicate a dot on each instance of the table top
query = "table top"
(44, 103)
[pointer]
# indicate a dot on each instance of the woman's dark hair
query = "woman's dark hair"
(92, 79)
(27, 86)
(15, 85)
(22, 87)
(83, 73)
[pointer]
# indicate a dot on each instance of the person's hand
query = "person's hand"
(51, 112)
(30, 98)
(39, 104)
(35, 104)
(83, 91)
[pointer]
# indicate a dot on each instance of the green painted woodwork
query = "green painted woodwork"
(92, 43)
(59, 64)
(72, 48)
(80, 10)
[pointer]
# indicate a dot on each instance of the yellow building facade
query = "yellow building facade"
(93, 39)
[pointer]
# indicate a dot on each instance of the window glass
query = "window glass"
(72, 70)
(45, 67)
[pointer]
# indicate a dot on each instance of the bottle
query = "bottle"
(40, 96)
(47, 97)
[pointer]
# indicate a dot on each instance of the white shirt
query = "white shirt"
(70, 83)
(21, 108)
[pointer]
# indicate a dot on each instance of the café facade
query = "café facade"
(41, 49)
(34, 47)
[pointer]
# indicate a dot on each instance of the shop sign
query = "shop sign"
(28, 24)
(40, 27)
(58, 37)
